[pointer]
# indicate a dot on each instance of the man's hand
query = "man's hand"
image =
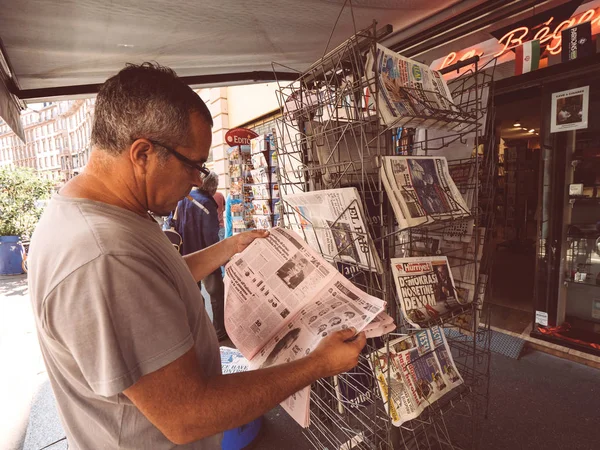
(339, 352)
(239, 242)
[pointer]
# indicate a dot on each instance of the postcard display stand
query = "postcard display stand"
(332, 135)
(240, 171)
(262, 182)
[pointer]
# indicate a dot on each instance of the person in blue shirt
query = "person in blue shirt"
(197, 221)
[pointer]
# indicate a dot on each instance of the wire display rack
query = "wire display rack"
(331, 135)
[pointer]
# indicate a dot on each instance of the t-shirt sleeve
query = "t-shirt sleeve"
(120, 318)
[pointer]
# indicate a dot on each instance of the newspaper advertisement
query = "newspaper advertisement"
(417, 371)
(425, 287)
(282, 298)
(421, 190)
(408, 91)
(334, 223)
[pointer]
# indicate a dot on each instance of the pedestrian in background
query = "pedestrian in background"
(220, 199)
(197, 221)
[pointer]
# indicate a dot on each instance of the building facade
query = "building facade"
(58, 133)
(56, 139)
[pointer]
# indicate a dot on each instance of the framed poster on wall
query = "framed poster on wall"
(570, 109)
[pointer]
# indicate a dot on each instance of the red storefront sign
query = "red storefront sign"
(547, 32)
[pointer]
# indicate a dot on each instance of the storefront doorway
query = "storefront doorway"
(517, 124)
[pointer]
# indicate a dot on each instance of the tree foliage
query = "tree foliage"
(19, 190)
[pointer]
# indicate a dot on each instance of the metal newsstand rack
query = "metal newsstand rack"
(330, 135)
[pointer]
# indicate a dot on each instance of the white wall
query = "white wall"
(248, 102)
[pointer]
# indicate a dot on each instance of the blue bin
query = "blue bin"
(242, 437)
(11, 258)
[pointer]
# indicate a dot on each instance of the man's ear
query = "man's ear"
(139, 152)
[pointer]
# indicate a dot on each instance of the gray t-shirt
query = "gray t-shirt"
(113, 301)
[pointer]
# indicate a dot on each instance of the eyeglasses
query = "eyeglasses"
(201, 168)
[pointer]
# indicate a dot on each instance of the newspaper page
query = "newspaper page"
(232, 361)
(333, 223)
(282, 298)
(421, 190)
(417, 371)
(425, 287)
(408, 91)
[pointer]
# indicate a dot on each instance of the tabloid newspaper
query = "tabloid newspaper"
(409, 92)
(282, 298)
(417, 371)
(421, 190)
(333, 223)
(425, 287)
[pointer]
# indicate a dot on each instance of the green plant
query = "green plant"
(19, 190)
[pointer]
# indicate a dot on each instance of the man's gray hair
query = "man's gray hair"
(144, 101)
(210, 183)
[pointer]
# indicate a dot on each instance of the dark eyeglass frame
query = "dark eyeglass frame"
(201, 168)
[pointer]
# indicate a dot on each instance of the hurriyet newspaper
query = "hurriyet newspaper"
(421, 190)
(282, 299)
(333, 223)
(409, 92)
(417, 371)
(425, 287)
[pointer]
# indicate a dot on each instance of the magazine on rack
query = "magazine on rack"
(282, 298)
(421, 190)
(409, 92)
(426, 289)
(334, 223)
(417, 371)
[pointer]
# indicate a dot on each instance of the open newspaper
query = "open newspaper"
(426, 289)
(421, 190)
(334, 223)
(282, 298)
(409, 92)
(417, 371)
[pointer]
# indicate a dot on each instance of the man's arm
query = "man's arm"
(204, 262)
(186, 406)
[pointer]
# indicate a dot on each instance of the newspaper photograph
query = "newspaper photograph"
(408, 90)
(334, 223)
(425, 287)
(282, 298)
(417, 371)
(421, 190)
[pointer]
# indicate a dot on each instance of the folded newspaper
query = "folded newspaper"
(334, 223)
(417, 371)
(421, 190)
(426, 289)
(282, 299)
(409, 93)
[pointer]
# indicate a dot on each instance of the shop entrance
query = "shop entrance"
(517, 124)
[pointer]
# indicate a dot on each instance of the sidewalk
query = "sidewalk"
(23, 370)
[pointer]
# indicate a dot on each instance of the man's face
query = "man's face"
(173, 179)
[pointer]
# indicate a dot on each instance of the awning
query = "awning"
(66, 47)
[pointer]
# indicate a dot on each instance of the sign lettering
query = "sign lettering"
(548, 33)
